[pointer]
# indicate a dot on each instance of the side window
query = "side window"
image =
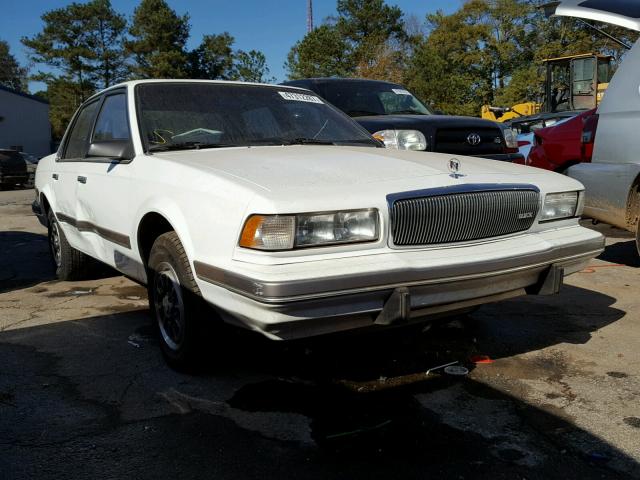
(112, 123)
(78, 142)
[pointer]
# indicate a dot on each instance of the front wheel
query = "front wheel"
(175, 303)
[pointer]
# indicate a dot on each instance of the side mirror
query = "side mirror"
(113, 149)
(438, 112)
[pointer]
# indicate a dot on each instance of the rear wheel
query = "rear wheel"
(175, 303)
(70, 264)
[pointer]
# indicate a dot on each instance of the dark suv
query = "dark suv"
(13, 169)
(396, 117)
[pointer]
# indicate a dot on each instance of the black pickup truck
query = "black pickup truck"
(395, 116)
(13, 169)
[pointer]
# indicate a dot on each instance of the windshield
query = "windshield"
(358, 99)
(176, 116)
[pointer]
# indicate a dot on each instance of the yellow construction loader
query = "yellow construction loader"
(572, 83)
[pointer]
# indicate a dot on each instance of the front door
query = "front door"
(104, 187)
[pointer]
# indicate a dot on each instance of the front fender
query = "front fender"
(608, 186)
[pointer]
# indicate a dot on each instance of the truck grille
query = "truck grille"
(460, 217)
(455, 140)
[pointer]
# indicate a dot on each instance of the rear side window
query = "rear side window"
(626, 8)
(78, 142)
(112, 123)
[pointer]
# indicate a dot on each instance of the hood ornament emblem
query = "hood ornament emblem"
(454, 168)
(474, 139)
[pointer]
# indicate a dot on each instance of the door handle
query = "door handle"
(55, 176)
(82, 179)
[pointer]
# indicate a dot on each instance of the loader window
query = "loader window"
(604, 70)
(583, 70)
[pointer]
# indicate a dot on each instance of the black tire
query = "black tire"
(177, 307)
(70, 264)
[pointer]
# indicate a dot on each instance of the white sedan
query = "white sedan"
(283, 214)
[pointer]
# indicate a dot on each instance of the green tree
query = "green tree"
(213, 58)
(65, 43)
(368, 24)
(250, 66)
(321, 53)
(12, 75)
(158, 41)
(448, 67)
(107, 29)
(348, 44)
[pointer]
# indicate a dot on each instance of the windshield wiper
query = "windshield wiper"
(187, 146)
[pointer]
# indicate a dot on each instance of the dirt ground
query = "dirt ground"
(84, 391)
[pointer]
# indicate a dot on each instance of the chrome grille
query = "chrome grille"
(460, 217)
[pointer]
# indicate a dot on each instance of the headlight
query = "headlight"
(402, 139)
(286, 232)
(561, 205)
(510, 138)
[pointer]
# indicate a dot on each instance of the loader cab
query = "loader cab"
(576, 82)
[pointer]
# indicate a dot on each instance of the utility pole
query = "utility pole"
(309, 16)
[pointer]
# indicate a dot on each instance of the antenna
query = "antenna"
(309, 16)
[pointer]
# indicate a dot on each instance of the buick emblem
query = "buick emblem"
(474, 139)
(454, 167)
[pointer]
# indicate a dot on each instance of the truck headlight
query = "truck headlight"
(510, 138)
(402, 139)
(558, 206)
(286, 232)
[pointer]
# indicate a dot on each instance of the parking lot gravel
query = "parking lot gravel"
(84, 391)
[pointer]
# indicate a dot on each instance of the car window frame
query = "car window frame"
(105, 96)
(74, 120)
(100, 99)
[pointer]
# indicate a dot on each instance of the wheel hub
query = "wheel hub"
(54, 241)
(169, 305)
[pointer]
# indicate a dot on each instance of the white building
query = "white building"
(24, 122)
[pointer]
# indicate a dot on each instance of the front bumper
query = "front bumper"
(310, 298)
(14, 179)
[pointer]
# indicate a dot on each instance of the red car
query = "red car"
(561, 146)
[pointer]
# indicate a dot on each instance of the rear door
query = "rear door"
(624, 13)
(65, 173)
(615, 164)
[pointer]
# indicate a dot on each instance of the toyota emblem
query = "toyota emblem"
(474, 139)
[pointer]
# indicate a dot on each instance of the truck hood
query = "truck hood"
(308, 166)
(624, 13)
(419, 122)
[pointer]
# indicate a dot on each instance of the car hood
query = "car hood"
(381, 122)
(624, 13)
(278, 168)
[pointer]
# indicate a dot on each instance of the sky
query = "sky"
(267, 25)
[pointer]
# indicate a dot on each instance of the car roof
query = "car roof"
(336, 80)
(133, 83)
(624, 13)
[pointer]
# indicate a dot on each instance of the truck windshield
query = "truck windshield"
(174, 115)
(358, 99)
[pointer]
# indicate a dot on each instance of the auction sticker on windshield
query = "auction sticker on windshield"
(300, 97)
(400, 91)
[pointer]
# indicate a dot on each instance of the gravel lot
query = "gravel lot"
(84, 392)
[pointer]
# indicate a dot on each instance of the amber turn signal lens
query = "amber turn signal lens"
(249, 239)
